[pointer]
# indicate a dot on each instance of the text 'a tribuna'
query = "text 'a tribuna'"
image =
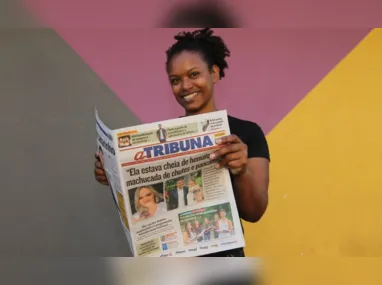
(174, 147)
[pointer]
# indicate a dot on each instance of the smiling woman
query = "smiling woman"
(195, 63)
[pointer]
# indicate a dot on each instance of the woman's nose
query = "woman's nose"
(187, 84)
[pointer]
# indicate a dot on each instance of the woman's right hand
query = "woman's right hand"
(99, 172)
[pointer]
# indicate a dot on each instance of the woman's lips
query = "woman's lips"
(190, 96)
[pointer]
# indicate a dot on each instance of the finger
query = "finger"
(98, 164)
(98, 171)
(101, 178)
(228, 158)
(228, 139)
(236, 164)
(96, 155)
(226, 149)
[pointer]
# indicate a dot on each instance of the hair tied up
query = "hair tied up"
(195, 35)
(211, 47)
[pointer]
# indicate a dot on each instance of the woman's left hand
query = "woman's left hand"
(232, 154)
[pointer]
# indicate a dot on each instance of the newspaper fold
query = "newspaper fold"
(171, 198)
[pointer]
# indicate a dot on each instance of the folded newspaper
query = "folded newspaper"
(172, 200)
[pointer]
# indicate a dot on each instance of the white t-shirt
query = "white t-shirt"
(223, 225)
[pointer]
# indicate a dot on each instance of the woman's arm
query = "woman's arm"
(252, 189)
(230, 225)
(186, 238)
(250, 175)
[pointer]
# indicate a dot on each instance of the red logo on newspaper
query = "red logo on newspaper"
(198, 211)
(174, 147)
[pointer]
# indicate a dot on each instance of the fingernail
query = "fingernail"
(212, 156)
(218, 141)
(217, 166)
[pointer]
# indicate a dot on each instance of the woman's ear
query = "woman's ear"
(215, 73)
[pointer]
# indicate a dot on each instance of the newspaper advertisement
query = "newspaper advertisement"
(172, 199)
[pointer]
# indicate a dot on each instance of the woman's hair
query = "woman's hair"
(187, 230)
(212, 48)
(157, 196)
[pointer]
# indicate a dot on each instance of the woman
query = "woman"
(207, 229)
(189, 235)
(224, 225)
(147, 203)
(190, 194)
(198, 195)
(195, 63)
(214, 225)
(198, 229)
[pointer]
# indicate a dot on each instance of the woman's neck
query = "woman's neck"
(208, 108)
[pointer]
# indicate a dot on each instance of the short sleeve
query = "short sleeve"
(257, 143)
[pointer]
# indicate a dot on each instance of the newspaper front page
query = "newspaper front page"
(172, 200)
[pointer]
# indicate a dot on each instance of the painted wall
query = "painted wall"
(315, 92)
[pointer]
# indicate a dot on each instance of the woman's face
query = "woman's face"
(191, 183)
(222, 214)
(198, 195)
(146, 197)
(196, 223)
(189, 226)
(191, 81)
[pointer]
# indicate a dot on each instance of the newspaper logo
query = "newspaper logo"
(174, 147)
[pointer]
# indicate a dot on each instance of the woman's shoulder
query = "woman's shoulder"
(236, 122)
(136, 215)
(162, 206)
(252, 135)
(245, 130)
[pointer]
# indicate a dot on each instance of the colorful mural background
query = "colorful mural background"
(315, 91)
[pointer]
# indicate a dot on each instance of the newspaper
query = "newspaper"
(172, 200)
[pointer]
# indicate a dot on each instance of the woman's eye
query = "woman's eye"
(194, 74)
(174, 81)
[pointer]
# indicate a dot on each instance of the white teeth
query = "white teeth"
(190, 96)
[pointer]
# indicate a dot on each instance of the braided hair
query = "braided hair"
(212, 48)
